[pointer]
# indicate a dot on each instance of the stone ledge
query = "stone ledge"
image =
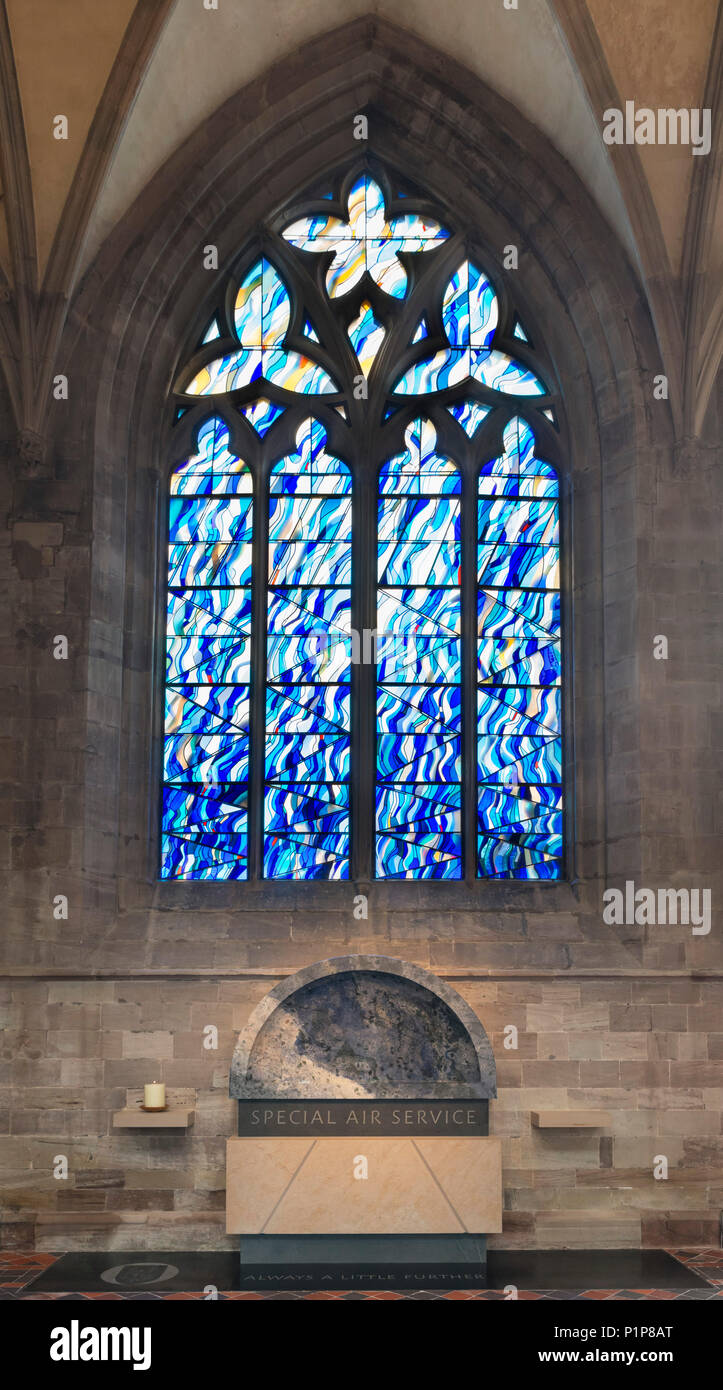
(173, 1118)
(571, 1119)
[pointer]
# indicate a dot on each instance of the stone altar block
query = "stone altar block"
(420, 1186)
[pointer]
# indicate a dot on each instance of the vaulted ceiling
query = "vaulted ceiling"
(134, 79)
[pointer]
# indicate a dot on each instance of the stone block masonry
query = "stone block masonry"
(145, 1189)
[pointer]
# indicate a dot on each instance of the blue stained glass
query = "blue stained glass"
(519, 710)
(419, 744)
(528, 523)
(307, 826)
(301, 518)
(419, 469)
(200, 566)
(262, 314)
(204, 519)
(311, 472)
(428, 758)
(411, 657)
(204, 831)
(205, 709)
(529, 662)
(308, 664)
(518, 613)
(206, 757)
(366, 335)
(418, 520)
(308, 708)
(519, 727)
(320, 656)
(292, 610)
(428, 611)
(213, 469)
(214, 612)
(419, 709)
(531, 566)
(317, 757)
(367, 242)
(207, 659)
(402, 562)
(262, 414)
(469, 414)
(469, 318)
(208, 638)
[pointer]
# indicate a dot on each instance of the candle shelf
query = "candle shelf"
(175, 1117)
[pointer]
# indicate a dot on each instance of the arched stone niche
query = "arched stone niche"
(363, 1026)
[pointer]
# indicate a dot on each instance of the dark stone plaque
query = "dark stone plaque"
(344, 1119)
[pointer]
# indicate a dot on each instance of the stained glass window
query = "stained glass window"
(419, 707)
(469, 319)
(366, 242)
(312, 512)
(208, 630)
(261, 318)
(308, 663)
(519, 744)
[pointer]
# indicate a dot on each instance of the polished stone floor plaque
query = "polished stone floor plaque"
(322, 1262)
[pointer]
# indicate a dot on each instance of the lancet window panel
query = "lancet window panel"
(208, 631)
(419, 707)
(308, 663)
(519, 717)
(397, 478)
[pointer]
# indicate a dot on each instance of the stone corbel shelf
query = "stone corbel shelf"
(176, 1117)
(571, 1119)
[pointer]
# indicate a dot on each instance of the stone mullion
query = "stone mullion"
(257, 703)
(363, 746)
(469, 673)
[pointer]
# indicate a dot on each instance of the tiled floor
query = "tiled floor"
(18, 1270)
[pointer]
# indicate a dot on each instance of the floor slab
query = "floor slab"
(564, 1274)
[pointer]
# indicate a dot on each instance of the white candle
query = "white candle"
(154, 1096)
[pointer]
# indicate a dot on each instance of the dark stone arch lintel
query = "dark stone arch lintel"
(363, 1026)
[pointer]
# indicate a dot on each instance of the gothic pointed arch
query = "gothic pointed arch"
(361, 321)
(140, 317)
